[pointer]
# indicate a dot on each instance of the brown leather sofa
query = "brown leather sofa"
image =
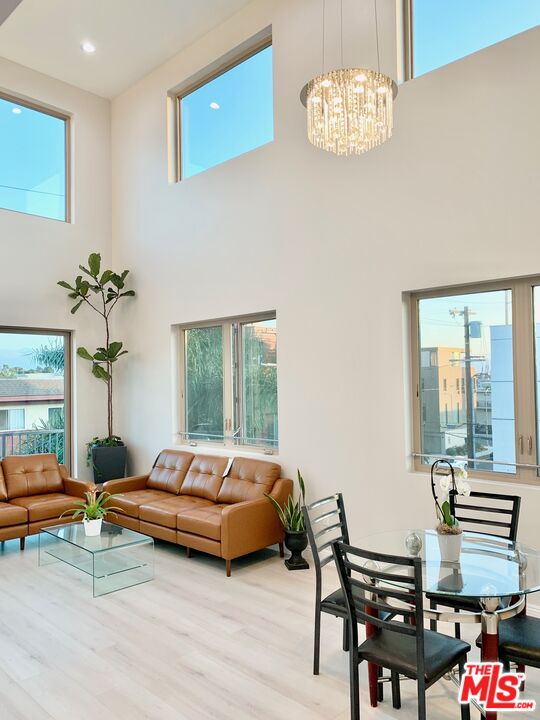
(34, 491)
(205, 502)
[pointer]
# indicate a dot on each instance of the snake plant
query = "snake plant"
(290, 514)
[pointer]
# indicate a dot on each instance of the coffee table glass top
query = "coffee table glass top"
(488, 566)
(112, 536)
(116, 559)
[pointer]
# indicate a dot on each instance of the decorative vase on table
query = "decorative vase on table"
(92, 528)
(296, 542)
(449, 545)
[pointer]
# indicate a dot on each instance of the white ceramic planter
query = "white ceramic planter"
(450, 547)
(92, 528)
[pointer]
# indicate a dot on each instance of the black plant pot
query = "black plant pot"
(296, 542)
(109, 463)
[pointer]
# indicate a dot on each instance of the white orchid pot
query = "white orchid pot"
(92, 528)
(450, 546)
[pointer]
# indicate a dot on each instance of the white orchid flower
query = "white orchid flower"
(444, 482)
(463, 487)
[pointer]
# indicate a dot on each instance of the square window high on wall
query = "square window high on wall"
(34, 159)
(227, 111)
(228, 383)
(438, 32)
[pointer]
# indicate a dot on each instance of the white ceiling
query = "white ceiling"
(131, 36)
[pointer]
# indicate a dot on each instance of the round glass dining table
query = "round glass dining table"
(497, 572)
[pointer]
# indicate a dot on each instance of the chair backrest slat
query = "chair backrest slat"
(485, 513)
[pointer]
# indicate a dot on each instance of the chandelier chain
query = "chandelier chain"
(377, 35)
(323, 32)
(341, 29)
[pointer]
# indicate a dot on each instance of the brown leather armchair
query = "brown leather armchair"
(210, 503)
(34, 491)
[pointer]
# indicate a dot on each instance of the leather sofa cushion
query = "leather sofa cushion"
(3, 488)
(12, 515)
(205, 476)
(46, 506)
(205, 521)
(164, 511)
(248, 480)
(130, 501)
(169, 471)
(27, 475)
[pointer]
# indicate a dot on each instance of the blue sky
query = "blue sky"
(228, 116)
(32, 161)
(446, 30)
(16, 348)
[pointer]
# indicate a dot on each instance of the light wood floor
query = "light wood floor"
(190, 645)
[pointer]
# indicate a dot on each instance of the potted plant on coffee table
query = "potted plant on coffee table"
(94, 509)
(449, 533)
(101, 290)
(292, 520)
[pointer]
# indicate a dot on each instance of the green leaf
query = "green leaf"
(114, 349)
(128, 293)
(100, 356)
(117, 280)
(94, 263)
(64, 284)
(302, 486)
(83, 352)
(107, 274)
(85, 270)
(100, 372)
(124, 274)
(76, 307)
(73, 295)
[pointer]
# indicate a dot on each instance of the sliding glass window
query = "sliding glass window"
(35, 393)
(228, 382)
(476, 377)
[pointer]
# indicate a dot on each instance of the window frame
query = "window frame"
(524, 376)
(228, 62)
(232, 384)
(67, 335)
(53, 112)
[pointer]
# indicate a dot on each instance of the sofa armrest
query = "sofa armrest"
(77, 488)
(249, 526)
(123, 485)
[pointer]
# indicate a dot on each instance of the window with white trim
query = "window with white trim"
(228, 382)
(476, 377)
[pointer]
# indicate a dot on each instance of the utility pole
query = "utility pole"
(469, 441)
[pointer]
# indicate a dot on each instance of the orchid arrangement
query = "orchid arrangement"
(453, 484)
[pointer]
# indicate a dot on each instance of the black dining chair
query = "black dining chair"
(519, 642)
(402, 645)
(326, 522)
(488, 513)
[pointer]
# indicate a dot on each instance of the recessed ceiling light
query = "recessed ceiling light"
(214, 106)
(16, 111)
(88, 47)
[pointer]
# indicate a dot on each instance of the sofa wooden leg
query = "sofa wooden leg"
(188, 552)
(228, 567)
(281, 550)
(22, 543)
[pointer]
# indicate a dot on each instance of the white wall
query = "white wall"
(331, 244)
(37, 252)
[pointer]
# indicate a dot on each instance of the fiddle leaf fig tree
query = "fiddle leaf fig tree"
(101, 291)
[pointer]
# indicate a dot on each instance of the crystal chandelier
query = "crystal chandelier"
(349, 110)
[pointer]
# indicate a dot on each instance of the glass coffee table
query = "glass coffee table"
(116, 559)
